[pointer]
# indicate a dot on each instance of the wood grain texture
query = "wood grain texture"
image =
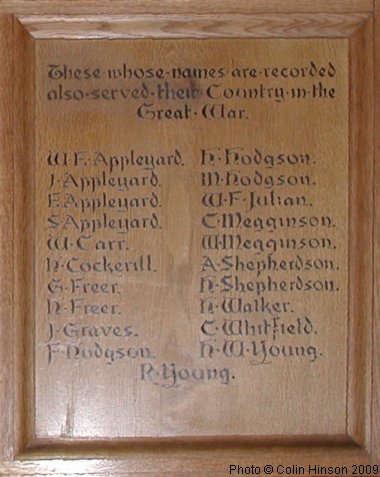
(24, 212)
(190, 463)
(292, 25)
(177, 6)
(363, 421)
(6, 239)
(63, 405)
(361, 229)
(375, 441)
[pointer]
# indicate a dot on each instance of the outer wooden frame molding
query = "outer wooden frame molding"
(24, 22)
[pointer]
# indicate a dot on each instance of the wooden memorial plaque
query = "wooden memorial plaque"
(189, 247)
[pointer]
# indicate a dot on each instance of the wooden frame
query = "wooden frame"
(24, 22)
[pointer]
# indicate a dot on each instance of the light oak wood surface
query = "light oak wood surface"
(52, 423)
(176, 6)
(6, 249)
(302, 25)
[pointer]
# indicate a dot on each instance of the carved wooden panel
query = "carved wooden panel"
(189, 239)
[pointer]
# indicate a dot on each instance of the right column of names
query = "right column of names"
(268, 251)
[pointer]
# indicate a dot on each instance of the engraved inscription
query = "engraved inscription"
(193, 231)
